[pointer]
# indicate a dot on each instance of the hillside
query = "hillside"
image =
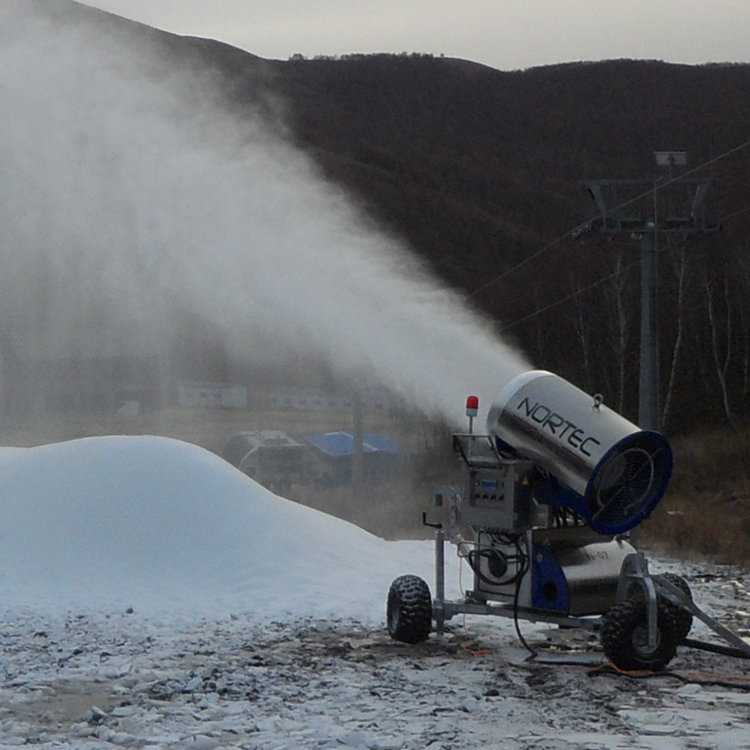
(481, 171)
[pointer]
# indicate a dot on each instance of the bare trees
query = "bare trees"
(587, 319)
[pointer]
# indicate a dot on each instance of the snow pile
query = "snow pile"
(164, 526)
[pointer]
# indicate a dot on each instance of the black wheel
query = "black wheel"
(682, 619)
(624, 636)
(409, 610)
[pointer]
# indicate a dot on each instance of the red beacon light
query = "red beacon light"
(472, 408)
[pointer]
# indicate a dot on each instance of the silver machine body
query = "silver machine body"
(517, 553)
(616, 472)
(550, 491)
(567, 575)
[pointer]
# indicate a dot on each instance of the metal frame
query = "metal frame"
(634, 572)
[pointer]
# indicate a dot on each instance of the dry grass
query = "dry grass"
(706, 511)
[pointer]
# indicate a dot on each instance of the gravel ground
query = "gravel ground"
(90, 680)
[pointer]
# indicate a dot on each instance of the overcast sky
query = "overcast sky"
(505, 34)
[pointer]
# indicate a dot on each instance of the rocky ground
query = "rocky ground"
(90, 680)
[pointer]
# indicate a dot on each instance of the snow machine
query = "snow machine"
(544, 521)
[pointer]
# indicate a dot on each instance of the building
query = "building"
(270, 457)
(200, 394)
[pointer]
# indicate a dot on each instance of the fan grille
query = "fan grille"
(628, 484)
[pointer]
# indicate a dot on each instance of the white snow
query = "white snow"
(165, 526)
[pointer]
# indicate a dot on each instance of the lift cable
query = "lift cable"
(568, 297)
(572, 232)
(598, 282)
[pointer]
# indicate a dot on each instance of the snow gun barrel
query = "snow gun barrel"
(594, 461)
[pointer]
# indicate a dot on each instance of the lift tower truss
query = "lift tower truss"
(646, 209)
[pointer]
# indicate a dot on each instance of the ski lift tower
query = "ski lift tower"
(644, 209)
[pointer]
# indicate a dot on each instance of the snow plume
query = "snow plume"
(130, 195)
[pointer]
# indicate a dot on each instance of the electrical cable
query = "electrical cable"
(525, 566)
(461, 580)
(740, 682)
(494, 551)
(570, 296)
(474, 558)
(522, 560)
